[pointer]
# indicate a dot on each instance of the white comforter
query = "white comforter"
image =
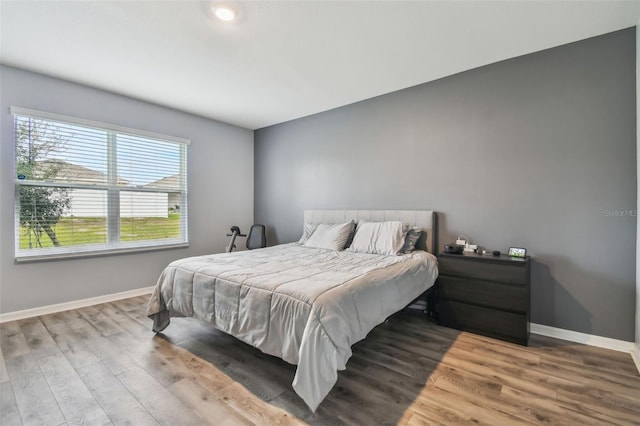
(304, 305)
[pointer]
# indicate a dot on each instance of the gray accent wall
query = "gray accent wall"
(537, 151)
(220, 190)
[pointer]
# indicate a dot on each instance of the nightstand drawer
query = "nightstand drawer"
(486, 321)
(513, 298)
(484, 270)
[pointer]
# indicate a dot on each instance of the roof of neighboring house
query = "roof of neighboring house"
(69, 172)
(169, 182)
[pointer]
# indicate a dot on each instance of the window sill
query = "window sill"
(97, 253)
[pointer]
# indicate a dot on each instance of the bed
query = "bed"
(304, 304)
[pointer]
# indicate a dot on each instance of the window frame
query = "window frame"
(110, 247)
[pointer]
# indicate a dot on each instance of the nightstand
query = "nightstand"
(488, 295)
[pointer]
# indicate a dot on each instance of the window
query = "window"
(87, 188)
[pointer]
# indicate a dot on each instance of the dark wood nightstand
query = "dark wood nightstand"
(488, 295)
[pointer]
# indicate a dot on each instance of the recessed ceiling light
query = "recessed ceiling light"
(224, 13)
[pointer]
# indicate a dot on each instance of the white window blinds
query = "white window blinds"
(84, 187)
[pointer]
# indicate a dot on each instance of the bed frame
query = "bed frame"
(427, 219)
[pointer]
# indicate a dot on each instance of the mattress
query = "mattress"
(305, 305)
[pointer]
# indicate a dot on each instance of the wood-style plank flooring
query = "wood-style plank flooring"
(101, 365)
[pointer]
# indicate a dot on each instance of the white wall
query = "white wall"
(220, 179)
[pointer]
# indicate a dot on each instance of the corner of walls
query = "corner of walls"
(637, 345)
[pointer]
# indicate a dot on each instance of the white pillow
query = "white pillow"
(309, 228)
(378, 237)
(331, 237)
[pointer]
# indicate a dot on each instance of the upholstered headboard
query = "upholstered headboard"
(426, 219)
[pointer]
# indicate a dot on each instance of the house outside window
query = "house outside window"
(87, 188)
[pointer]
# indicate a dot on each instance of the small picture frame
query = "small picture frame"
(517, 252)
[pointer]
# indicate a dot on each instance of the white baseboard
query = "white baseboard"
(75, 304)
(635, 354)
(587, 339)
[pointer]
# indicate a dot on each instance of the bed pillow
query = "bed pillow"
(307, 231)
(331, 237)
(378, 237)
(413, 235)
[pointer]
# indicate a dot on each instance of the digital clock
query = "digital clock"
(517, 252)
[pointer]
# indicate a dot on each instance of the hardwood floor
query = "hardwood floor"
(102, 365)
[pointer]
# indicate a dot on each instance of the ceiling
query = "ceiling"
(284, 59)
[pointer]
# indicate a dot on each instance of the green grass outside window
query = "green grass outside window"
(73, 231)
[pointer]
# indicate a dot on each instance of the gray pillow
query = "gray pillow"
(413, 235)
